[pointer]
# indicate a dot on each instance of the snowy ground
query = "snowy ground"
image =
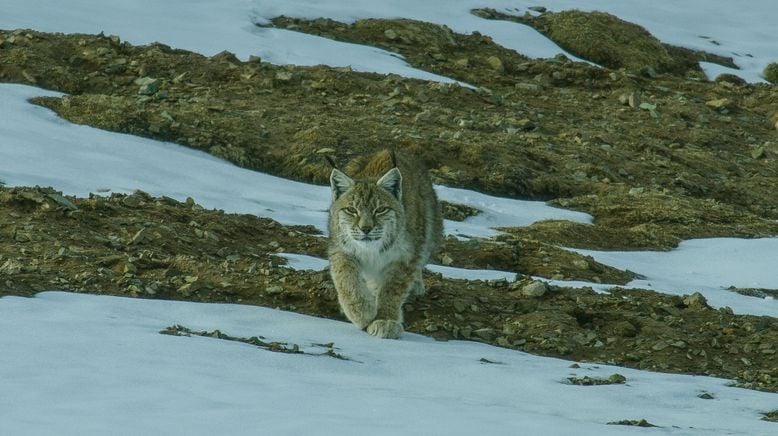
(743, 30)
(45, 150)
(74, 364)
(92, 365)
(707, 266)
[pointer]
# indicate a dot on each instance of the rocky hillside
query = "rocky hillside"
(140, 246)
(648, 146)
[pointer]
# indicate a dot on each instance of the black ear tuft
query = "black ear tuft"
(340, 183)
(392, 181)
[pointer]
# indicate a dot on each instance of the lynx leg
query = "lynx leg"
(356, 302)
(417, 287)
(389, 316)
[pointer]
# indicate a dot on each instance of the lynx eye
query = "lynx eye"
(381, 210)
(350, 211)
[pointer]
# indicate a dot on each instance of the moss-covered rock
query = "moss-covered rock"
(611, 42)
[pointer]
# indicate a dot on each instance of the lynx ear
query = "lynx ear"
(392, 181)
(340, 183)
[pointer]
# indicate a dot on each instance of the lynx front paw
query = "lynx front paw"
(385, 328)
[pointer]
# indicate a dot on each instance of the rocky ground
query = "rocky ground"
(141, 246)
(651, 149)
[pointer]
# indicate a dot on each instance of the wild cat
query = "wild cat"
(385, 224)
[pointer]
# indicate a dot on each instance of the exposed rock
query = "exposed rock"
(581, 264)
(462, 62)
(148, 85)
(487, 334)
(285, 76)
(62, 201)
(530, 87)
(731, 79)
(496, 64)
(631, 99)
(227, 57)
(636, 190)
(142, 236)
(534, 289)
(274, 289)
(11, 267)
(457, 212)
(696, 300)
(633, 422)
(720, 104)
(617, 378)
(613, 379)
(626, 329)
(770, 72)
(648, 71)
(758, 152)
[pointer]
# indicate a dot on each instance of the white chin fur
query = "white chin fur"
(366, 244)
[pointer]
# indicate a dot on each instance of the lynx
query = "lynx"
(385, 224)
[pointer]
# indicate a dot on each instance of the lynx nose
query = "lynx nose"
(365, 224)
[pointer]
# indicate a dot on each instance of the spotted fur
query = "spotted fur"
(384, 225)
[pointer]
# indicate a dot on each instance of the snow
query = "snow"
(78, 364)
(708, 266)
(94, 365)
(715, 26)
(204, 26)
(496, 212)
(304, 262)
(744, 31)
(78, 160)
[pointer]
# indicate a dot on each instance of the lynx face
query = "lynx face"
(368, 214)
